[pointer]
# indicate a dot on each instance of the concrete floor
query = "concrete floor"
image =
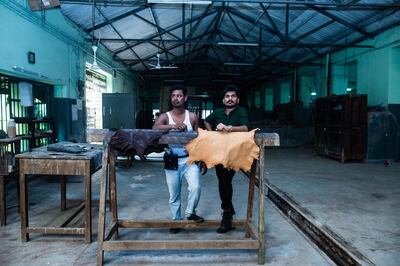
(142, 194)
(357, 202)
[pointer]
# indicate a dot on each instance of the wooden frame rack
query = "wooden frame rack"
(108, 239)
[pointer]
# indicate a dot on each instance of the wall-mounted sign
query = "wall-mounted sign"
(31, 57)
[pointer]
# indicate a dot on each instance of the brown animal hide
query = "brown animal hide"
(140, 142)
(234, 150)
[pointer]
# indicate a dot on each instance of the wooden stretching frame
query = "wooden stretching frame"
(107, 238)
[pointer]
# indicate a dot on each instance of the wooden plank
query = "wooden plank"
(102, 204)
(75, 202)
(90, 152)
(54, 167)
(250, 231)
(88, 202)
(56, 230)
(23, 202)
(113, 191)
(175, 223)
(63, 192)
(250, 200)
(73, 215)
(180, 244)
(97, 135)
(261, 197)
(110, 231)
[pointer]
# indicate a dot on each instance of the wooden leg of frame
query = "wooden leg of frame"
(23, 202)
(88, 204)
(113, 193)
(102, 207)
(261, 225)
(250, 201)
(63, 192)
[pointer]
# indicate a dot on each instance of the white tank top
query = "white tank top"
(186, 121)
(179, 148)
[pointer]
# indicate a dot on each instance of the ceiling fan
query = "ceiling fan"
(159, 66)
(95, 66)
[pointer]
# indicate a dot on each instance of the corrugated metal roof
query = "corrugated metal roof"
(290, 34)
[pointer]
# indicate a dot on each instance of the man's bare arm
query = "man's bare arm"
(194, 120)
(229, 128)
(207, 125)
(239, 129)
(162, 123)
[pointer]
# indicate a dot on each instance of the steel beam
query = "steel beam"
(114, 19)
(119, 34)
(263, 44)
(271, 21)
(374, 5)
(149, 38)
(343, 22)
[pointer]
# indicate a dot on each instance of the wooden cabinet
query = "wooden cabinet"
(41, 131)
(341, 127)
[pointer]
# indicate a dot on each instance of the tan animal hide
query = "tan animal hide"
(234, 150)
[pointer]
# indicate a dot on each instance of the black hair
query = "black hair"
(230, 87)
(178, 87)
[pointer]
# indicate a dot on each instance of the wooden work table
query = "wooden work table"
(40, 161)
(108, 239)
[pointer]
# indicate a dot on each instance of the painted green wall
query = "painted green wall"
(377, 68)
(60, 48)
(394, 76)
(372, 71)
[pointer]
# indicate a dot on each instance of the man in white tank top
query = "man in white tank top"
(181, 119)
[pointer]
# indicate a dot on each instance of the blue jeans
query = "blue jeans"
(174, 181)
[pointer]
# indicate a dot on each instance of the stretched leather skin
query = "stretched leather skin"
(234, 150)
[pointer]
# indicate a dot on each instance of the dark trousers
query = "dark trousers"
(225, 177)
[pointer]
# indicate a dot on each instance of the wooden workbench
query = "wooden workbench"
(108, 239)
(40, 161)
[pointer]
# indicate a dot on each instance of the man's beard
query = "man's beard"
(231, 105)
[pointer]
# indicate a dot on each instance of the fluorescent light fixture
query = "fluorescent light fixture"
(238, 43)
(174, 81)
(193, 2)
(229, 74)
(349, 89)
(23, 70)
(237, 64)
(222, 80)
(313, 94)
